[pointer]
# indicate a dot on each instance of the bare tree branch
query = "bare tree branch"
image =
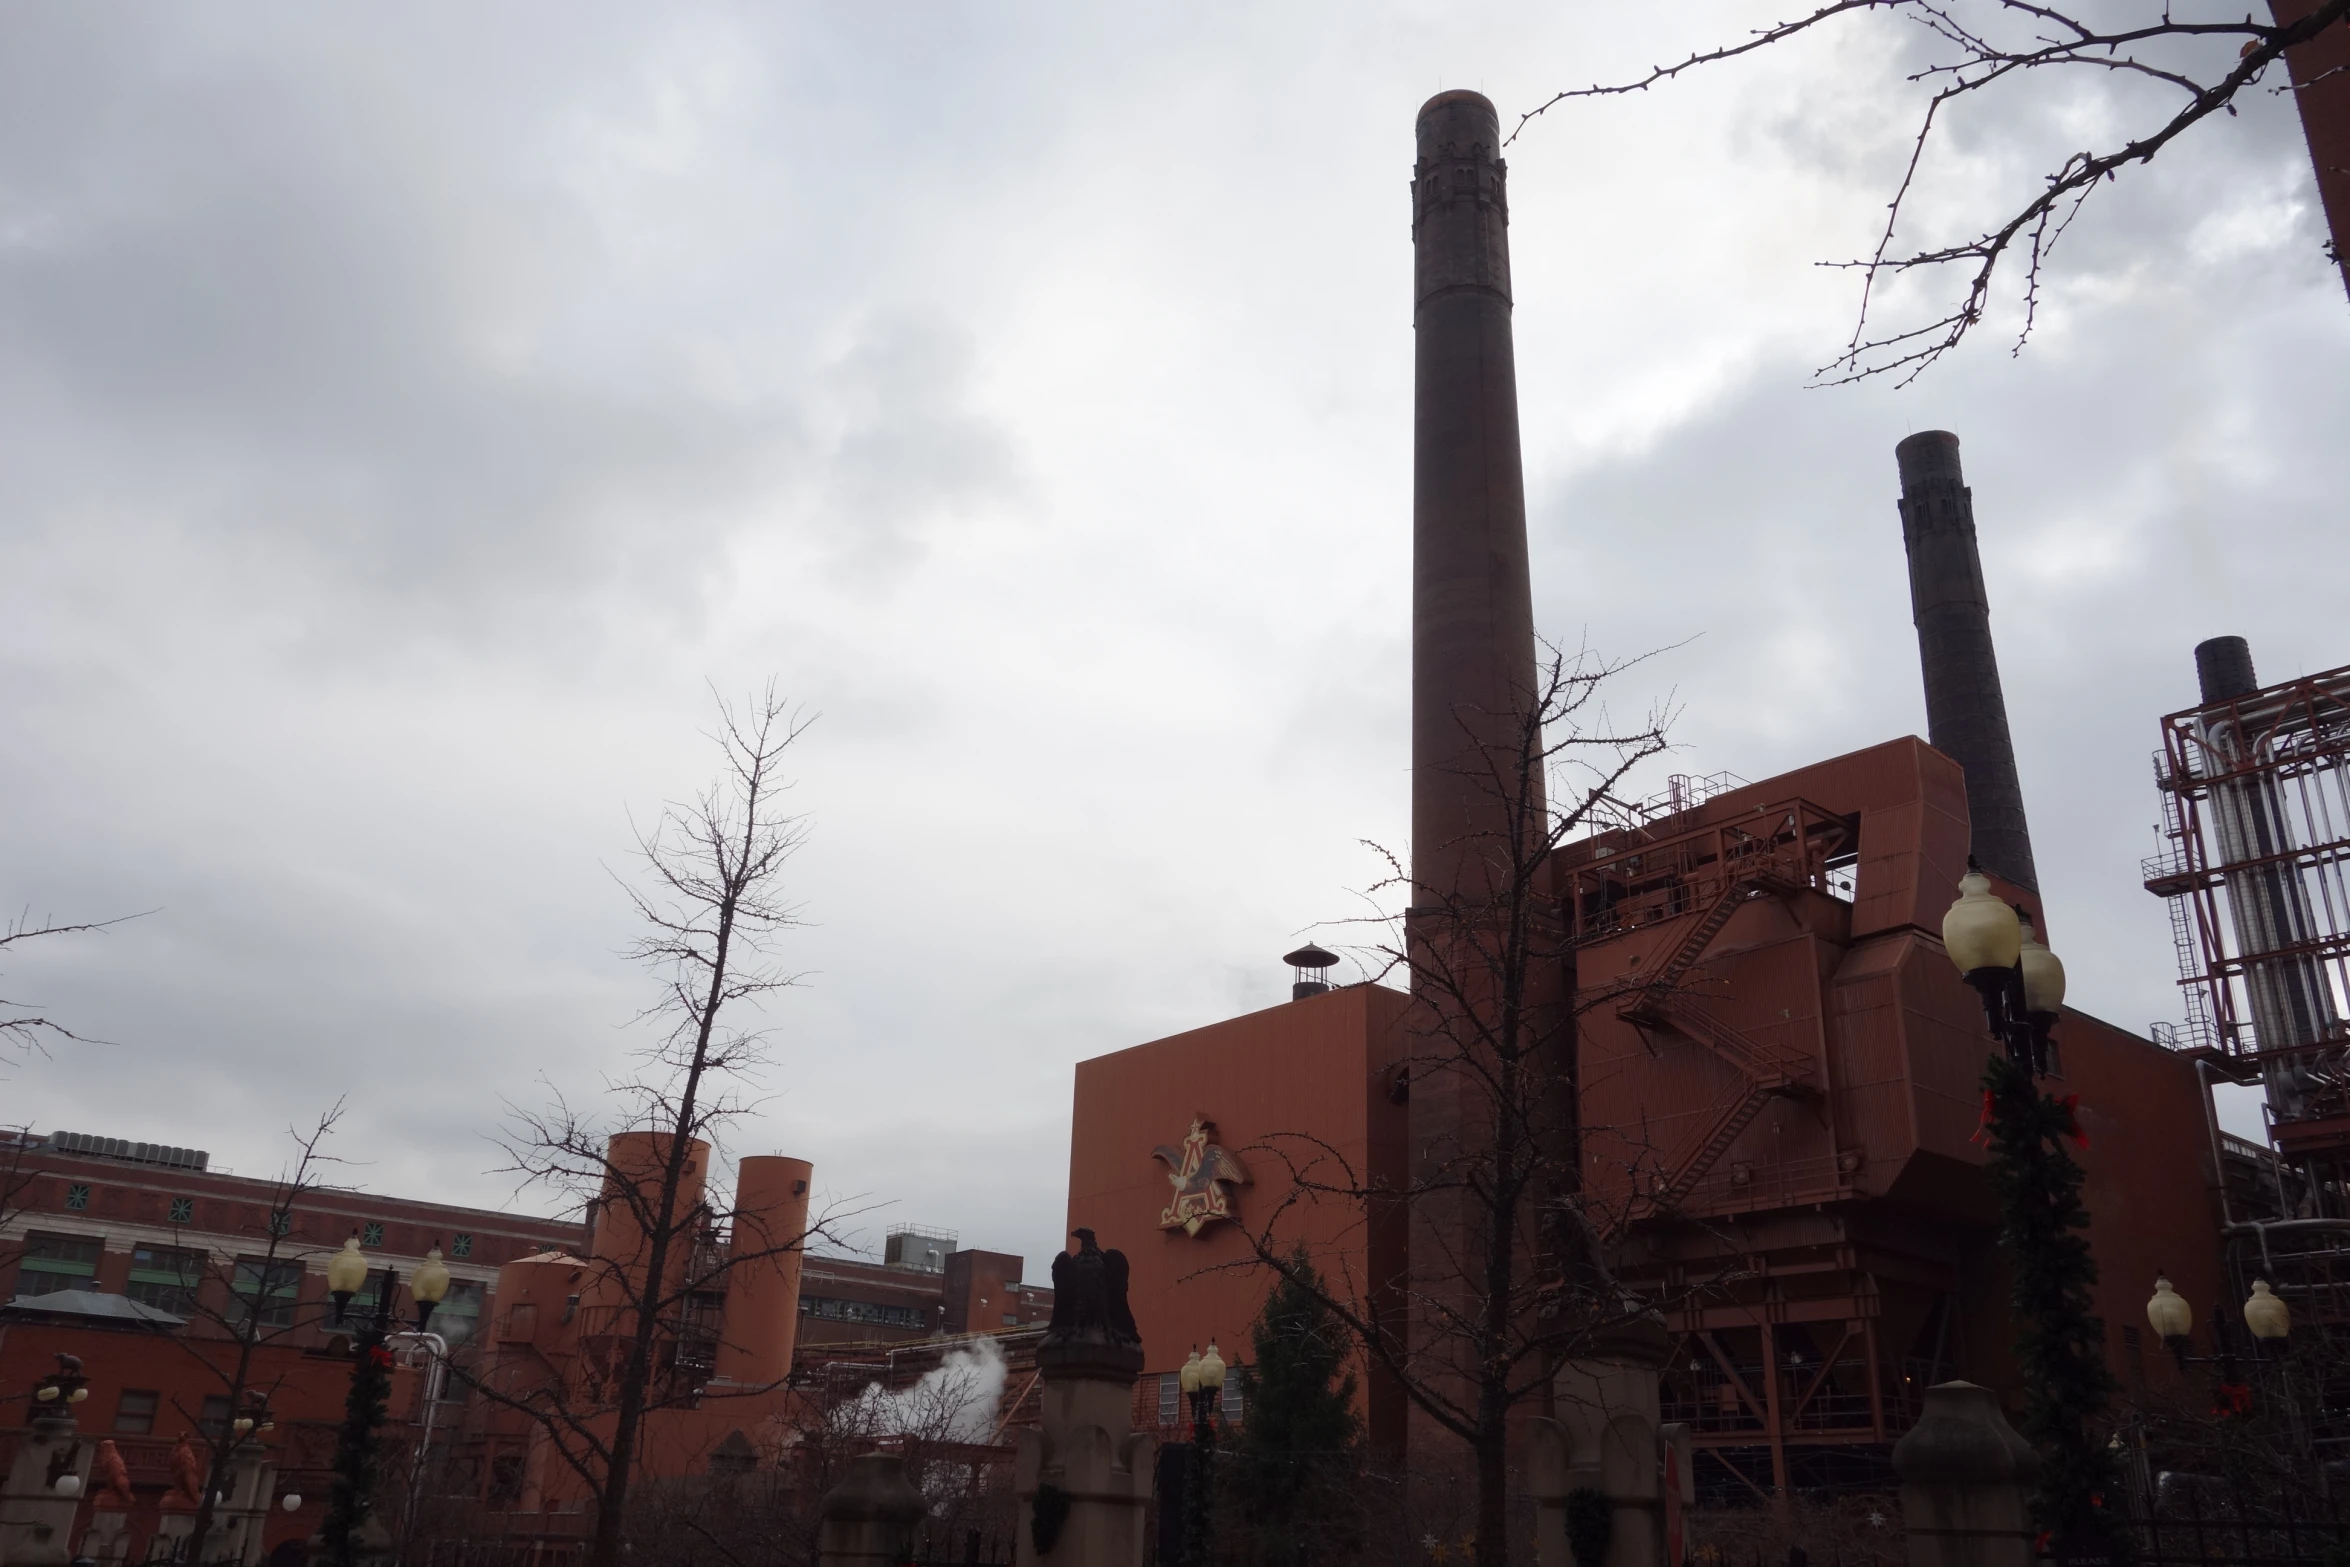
(2014, 38)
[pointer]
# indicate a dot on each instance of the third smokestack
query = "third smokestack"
(1966, 713)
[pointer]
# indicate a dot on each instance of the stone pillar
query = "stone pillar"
(870, 1517)
(36, 1523)
(1083, 1481)
(1964, 1478)
(1607, 1439)
(108, 1538)
(239, 1519)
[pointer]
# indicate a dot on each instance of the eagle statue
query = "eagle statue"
(187, 1471)
(1089, 1298)
(110, 1489)
(1202, 1173)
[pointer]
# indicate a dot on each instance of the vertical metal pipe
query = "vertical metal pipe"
(1966, 711)
(2292, 1003)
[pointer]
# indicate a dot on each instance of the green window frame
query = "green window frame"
(461, 1244)
(372, 1233)
(183, 1210)
(54, 1262)
(269, 1288)
(166, 1277)
(459, 1313)
(77, 1195)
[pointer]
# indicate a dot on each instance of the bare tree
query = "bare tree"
(712, 905)
(24, 1031)
(1505, 1279)
(1985, 45)
(252, 1303)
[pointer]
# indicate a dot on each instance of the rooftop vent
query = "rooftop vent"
(918, 1247)
(130, 1153)
(1309, 971)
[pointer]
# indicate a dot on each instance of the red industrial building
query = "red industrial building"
(141, 1260)
(1776, 1068)
(138, 1258)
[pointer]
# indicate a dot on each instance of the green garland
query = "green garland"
(2061, 1342)
(364, 1408)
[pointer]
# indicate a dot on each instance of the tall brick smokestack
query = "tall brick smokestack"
(1472, 608)
(1472, 676)
(1966, 714)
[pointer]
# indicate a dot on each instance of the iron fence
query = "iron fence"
(2204, 1519)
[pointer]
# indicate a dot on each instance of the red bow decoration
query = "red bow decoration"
(379, 1356)
(2233, 1398)
(2070, 1104)
(1983, 1127)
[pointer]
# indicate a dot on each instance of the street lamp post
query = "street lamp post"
(2038, 1186)
(352, 1505)
(2266, 1319)
(1202, 1381)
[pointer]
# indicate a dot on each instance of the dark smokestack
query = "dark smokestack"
(1966, 715)
(1472, 608)
(2223, 667)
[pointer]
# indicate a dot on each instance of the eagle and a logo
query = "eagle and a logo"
(1202, 1173)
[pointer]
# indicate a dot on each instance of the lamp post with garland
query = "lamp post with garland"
(2037, 1184)
(352, 1505)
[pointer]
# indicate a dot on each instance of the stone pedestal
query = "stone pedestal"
(173, 1529)
(1965, 1475)
(871, 1516)
(108, 1538)
(239, 1519)
(36, 1523)
(1084, 1480)
(1607, 1440)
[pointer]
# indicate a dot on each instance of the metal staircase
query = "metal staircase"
(1769, 1071)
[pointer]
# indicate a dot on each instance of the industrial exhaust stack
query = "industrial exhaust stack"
(1966, 712)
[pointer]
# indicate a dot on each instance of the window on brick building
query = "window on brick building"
(460, 1245)
(1170, 1399)
(134, 1412)
(166, 1277)
(57, 1262)
(459, 1312)
(183, 1210)
(213, 1419)
(77, 1196)
(371, 1234)
(863, 1311)
(1234, 1398)
(266, 1287)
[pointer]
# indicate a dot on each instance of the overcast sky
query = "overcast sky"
(408, 415)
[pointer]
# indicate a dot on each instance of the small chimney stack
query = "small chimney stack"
(1309, 971)
(2223, 668)
(1966, 712)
